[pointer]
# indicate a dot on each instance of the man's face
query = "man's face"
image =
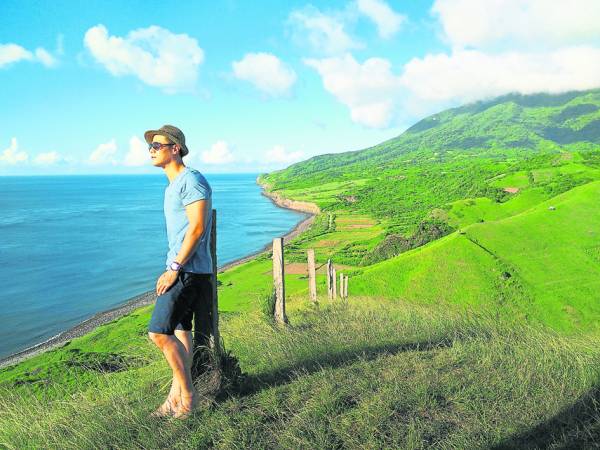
(165, 154)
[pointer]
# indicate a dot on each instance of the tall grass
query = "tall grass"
(360, 375)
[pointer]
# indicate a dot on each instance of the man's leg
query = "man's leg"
(178, 356)
(174, 398)
(186, 401)
(185, 337)
(172, 314)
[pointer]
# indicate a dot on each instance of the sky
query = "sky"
(257, 86)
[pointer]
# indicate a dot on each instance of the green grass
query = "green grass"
(372, 374)
(469, 211)
(451, 271)
(550, 256)
(554, 254)
(516, 179)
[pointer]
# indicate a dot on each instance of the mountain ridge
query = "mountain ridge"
(567, 107)
(453, 155)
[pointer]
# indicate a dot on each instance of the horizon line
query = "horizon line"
(118, 174)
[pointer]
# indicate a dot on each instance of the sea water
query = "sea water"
(73, 246)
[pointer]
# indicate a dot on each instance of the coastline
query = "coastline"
(149, 297)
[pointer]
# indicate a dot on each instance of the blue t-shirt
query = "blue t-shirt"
(188, 187)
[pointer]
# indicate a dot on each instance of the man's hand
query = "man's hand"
(165, 281)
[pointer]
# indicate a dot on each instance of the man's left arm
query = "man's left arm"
(196, 214)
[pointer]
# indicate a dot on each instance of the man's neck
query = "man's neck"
(173, 169)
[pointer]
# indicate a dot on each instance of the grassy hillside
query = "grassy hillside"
(485, 175)
(370, 374)
(454, 155)
(543, 262)
(472, 246)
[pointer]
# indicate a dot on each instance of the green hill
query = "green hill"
(456, 155)
(485, 175)
(543, 263)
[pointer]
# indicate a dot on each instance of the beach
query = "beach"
(149, 297)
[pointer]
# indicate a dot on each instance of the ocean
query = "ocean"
(73, 246)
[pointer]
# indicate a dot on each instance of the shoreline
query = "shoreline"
(149, 297)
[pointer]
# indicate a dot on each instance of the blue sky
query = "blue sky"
(256, 86)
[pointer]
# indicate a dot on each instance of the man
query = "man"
(185, 285)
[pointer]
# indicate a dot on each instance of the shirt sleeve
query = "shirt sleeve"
(193, 191)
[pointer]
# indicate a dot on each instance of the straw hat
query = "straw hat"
(170, 132)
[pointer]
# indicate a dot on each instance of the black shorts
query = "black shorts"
(174, 310)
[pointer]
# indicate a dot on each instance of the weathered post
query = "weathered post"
(312, 276)
(329, 283)
(206, 316)
(279, 281)
(334, 282)
(346, 287)
(341, 285)
(215, 336)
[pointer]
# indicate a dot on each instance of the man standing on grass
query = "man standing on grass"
(185, 286)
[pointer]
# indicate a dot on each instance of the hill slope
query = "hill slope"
(485, 175)
(543, 262)
(454, 155)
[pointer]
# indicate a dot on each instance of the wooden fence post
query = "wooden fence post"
(312, 276)
(216, 337)
(279, 281)
(334, 283)
(346, 287)
(206, 320)
(341, 285)
(329, 283)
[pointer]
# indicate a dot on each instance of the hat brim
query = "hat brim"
(148, 135)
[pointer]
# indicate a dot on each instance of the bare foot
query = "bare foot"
(186, 407)
(168, 408)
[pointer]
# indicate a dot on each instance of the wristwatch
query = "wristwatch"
(174, 266)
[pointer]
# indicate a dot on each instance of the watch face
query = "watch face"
(174, 266)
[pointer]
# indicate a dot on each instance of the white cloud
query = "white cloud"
(12, 155)
(137, 154)
(12, 53)
(48, 158)
(278, 154)
(368, 89)
(219, 153)
(325, 33)
(467, 75)
(375, 96)
(104, 153)
(509, 46)
(154, 55)
(477, 23)
(45, 57)
(387, 20)
(266, 72)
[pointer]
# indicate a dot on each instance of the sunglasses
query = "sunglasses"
(157, 146)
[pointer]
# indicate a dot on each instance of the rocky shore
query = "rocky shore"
(296, 205)
(149, 297)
